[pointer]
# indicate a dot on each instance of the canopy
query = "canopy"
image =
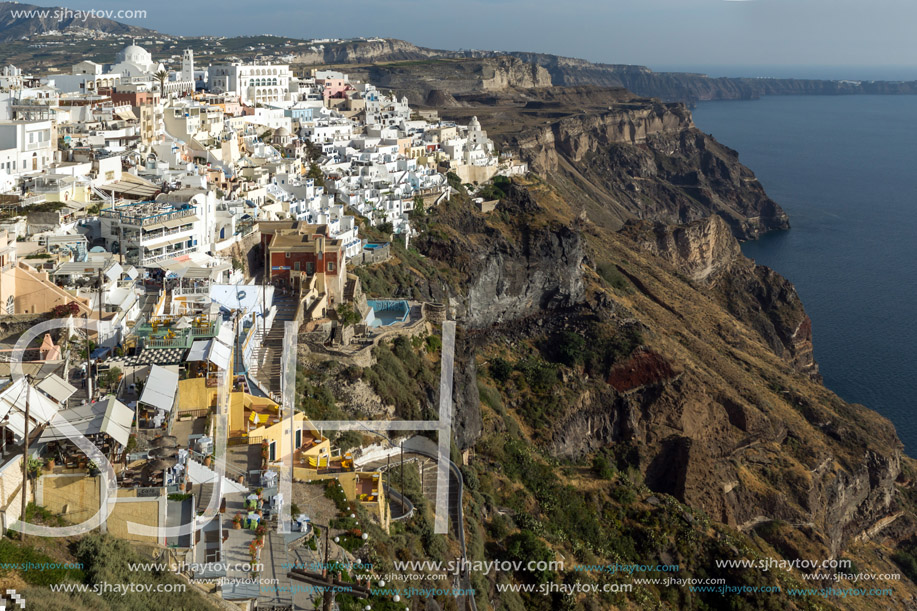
(199, 350)
(108, 416)
(12, 406)
(160, 388)
(57, 388)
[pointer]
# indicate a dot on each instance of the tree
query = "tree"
(161, 77)
(315, 173)
(110, 378)
(419, 209)
(347, 315)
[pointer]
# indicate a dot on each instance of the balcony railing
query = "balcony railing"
(178, 291)
(168, 255)
(155, 235)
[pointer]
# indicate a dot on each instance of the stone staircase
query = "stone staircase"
(271, 352)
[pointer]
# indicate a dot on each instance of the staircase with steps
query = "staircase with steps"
(271, 352)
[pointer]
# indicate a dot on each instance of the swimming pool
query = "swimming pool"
(386, 312)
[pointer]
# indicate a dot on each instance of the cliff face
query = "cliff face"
(641, 159)
(388, 49)
(513, 279)
(689, 87)
(707, 253)
(453, 77)
(719, 404)
(701, 250)
(576, 136)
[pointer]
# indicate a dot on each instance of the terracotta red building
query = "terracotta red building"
(294, 248)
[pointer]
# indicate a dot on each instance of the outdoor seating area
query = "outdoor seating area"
(166, 465)
(367, 486)
(106, 423)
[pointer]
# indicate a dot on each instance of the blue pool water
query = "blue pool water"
(387, 312)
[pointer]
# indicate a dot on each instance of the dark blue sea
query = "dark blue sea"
(845, 170)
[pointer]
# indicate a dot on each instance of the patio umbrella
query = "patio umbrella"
(183, 323)
(161, 464)
(165, 441)
(164, 452)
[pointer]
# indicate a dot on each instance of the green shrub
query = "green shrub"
(610, 273)
(500, 369)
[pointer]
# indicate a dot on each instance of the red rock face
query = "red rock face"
(643, 368)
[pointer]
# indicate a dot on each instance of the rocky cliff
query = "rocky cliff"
(707, 253)
(572, 72)
(719, 403)
(629, 158)
(453, 77)
(574, 137)
(358, 52)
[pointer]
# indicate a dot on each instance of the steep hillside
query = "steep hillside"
(649, 395)
(625, 157)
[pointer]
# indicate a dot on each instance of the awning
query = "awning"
(125, 112)
(159, 390)
(114, 272)
(117, 421)
(199, 350)
(225, 335)
(220, 355)
(172, 223)
(57, 388)
(171, 242)
(98, 353)
(13, 400)
(108, 416)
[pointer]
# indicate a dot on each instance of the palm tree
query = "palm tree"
(162, 76)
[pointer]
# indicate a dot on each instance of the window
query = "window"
(272, 451)
(310, 267)
(330, 266)
(296, 266)
(10, 305)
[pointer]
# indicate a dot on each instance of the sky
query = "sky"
(670, 33)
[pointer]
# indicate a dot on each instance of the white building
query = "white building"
(26, 147)
(253, 83)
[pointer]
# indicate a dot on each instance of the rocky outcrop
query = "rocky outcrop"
(576, 136)
(376, 50)
(540, 272)
(645, 160)
(768, 303)
(700, 250)
(706, 252)
(453, 77)
(466, 421)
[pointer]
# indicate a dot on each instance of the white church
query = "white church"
(133, 65)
